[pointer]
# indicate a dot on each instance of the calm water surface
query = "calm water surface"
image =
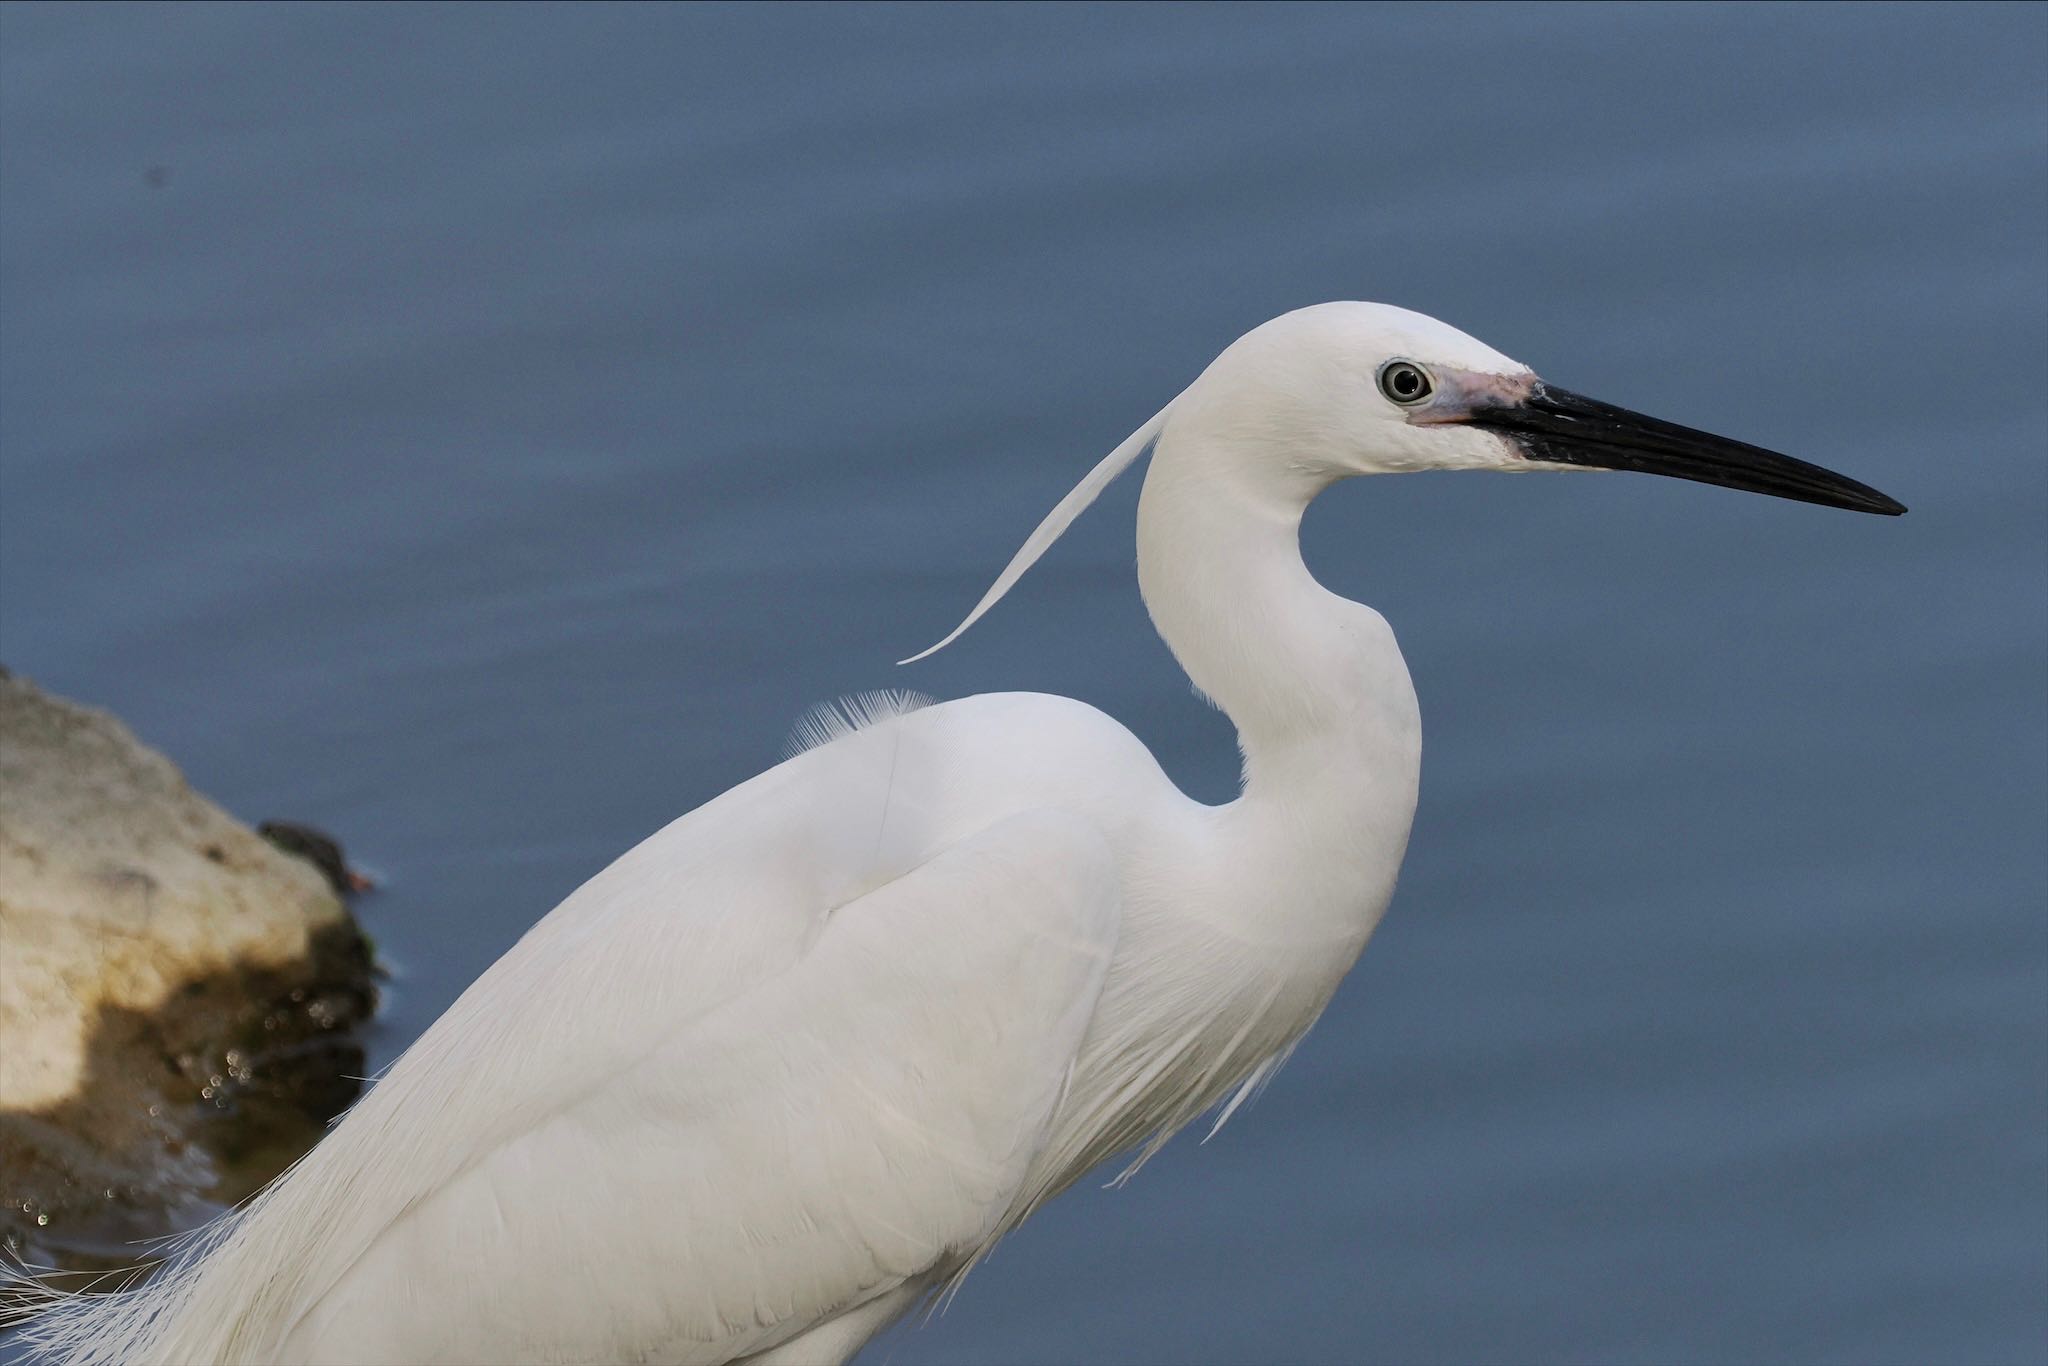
(482, 431)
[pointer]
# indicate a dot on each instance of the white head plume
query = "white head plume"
(1056, 522)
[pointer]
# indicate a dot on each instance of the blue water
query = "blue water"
(482, 431)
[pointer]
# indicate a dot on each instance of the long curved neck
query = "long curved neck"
(1315, 684)
(1219, 563)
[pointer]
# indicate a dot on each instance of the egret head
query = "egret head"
(1342, 389)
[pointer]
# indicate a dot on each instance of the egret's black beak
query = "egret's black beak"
(1562, 428)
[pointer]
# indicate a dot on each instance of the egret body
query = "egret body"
(795, 1062)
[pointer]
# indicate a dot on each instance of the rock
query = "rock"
(318, 848)
(176, 995)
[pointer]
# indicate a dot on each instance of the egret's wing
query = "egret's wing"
(814, 1141)
(680, 1068)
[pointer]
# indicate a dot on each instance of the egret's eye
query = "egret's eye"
(1406, 383)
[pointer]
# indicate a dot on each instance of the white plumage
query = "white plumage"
(795, 1061)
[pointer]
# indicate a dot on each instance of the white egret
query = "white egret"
(797, 1060)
